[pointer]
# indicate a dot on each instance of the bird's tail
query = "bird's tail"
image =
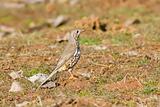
(51, 75)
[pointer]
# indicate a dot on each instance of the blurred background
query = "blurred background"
(120, 62)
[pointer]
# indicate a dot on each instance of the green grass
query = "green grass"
(83, 93)
(32, 71)
(115, 55)
(143, 61)
(150, 90)
(90, 41)
(101, 80)
(130, 103)
(150, 87)
(27, 22)
(118, 77)
(122, 39)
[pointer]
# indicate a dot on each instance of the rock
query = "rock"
(15, 75)
(23, 104)
(86, 75)
(131, 22)
(15, 87)
(62, 38)
(5, 31)
(40, 77)
(49, 84)
(60, 20)
(4, 28)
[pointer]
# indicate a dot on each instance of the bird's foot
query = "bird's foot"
(73, 77)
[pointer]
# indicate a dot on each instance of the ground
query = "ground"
(120, 52)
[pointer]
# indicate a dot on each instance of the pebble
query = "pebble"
(15, 75)
(15, 87)
(40, 77)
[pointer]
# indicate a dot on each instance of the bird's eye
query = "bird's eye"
(77, 31)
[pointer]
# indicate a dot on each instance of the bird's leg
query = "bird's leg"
(72, 77)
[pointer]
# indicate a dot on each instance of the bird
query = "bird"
(69, 57)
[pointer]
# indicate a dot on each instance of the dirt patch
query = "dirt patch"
(92, 102)
(129, 84)
(78, 85)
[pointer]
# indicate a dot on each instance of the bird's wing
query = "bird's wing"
(66, 55)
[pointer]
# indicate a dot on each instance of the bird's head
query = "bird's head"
(76, 33)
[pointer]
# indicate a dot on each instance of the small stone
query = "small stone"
(131, 22)
(60, 20)
(6, 29)
(49, 84)
(15, 75)
(62, 38)
(86, 75)
(40, 77)
(15, 87)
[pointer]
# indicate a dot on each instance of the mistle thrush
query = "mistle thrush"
(69, 57)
